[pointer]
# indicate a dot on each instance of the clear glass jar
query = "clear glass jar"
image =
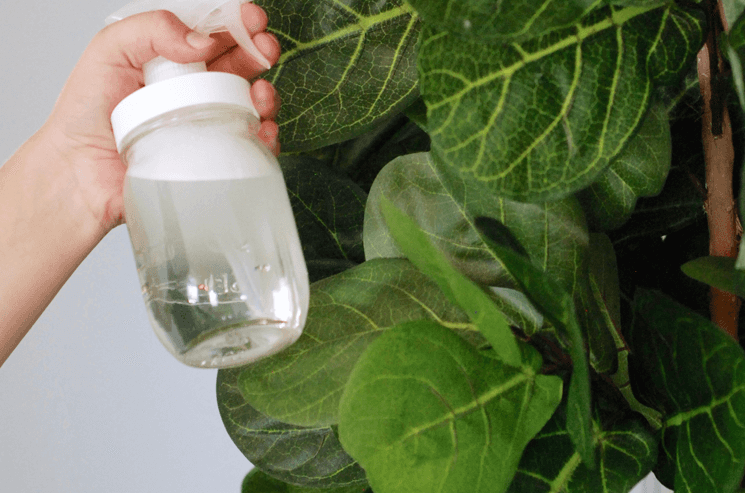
(215, 242)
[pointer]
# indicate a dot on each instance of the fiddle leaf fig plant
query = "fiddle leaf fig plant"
(495, 200)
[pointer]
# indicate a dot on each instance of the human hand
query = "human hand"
(110, 69)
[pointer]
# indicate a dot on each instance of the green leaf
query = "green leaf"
(556, 304)
(554, 233)
(604, 271)
(733, 9)
(694, 373)
(459, 290)
(408, 139)
(311, 457)
(423, 411)
(719, 272)
(734, 48)
(302, 384)
(538, 120)
(639, 170)
(490, 21)
(345, 66)
(259, 482)
(626, 453)
(679, 205)
(607, 294)
(329, 212)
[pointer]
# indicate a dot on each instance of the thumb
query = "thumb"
(140, 38)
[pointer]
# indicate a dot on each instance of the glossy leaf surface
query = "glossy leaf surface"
(556, 305)
(311, 457)
(491, 21)
(345, 66)
(639, 170)
(424, 411)
(538, 120)
(626, 453)
(302, 384)
(470, 297)
(553, 233)
(329, 211)
(258, 482)
(695, 374)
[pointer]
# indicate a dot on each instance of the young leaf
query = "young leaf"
(329, 211)
(344, 67)
(626, 453)
(423, 411)
(302, 384)
(311, 457)
(719, 272)
(554, 233)
(695, 374)
(556, 305)
(259, 482)
(538, 120)
(461, 291)
(639, 170)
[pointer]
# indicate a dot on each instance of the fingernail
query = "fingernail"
(198, 40)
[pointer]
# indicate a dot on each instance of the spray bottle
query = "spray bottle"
(215, 242)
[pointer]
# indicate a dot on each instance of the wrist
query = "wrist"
(46, 234)
(42, 198)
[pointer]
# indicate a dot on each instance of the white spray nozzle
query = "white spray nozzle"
(207, 17)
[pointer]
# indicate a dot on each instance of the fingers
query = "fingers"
(229, 58)
(138, 39)
(237, 61)
(268, 133)
(266, 99)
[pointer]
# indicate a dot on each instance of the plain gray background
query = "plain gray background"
(90, 401)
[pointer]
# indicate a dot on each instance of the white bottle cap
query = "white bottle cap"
(182, 91)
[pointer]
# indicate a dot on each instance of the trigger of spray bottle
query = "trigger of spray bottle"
(204, 16)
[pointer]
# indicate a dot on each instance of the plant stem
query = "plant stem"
(719, 155)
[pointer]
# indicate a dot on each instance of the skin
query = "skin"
(61, 192)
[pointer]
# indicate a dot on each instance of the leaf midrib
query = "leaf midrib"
(616, 20)
(365, 24)
(477, 402)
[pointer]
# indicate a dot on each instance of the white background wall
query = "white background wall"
(90, 401)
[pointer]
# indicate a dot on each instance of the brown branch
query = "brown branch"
(719, 155)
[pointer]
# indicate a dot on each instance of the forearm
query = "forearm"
(46, 230)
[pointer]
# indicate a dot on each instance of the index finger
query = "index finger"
(255, 20)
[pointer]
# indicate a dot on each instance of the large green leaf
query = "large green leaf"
(538, 120)
(345, 65)
(259, 482)
(311, 457)
(626, 452)
(424, 411)
(639, 170)
(329, 212)
(557, 306)
(302, 384)
(553, 233)
(488, 20)
(695, 374)
(480, 308)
